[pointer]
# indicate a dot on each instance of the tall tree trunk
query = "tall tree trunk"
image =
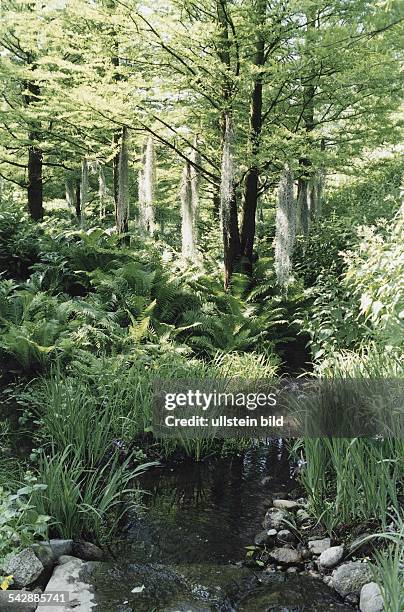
(313, 197)
(141, 196)
(35, 182)
(285, 228)
(307, 178)
(195, 180)
(78, 200)
(187, 214)
(321, 176)
(70, 194)
(102, 191)
(189, 206)
(147, 188)
(216, 203)
(83, 191)
(228, 205)
(303, 206)
(116, 139)
(35, 161)
(228, 196)
(117, 136)
(250, 198)
(122, 207)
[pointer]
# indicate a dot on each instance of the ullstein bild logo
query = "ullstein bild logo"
(224, 421)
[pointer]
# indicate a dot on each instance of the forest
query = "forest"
(207, 191)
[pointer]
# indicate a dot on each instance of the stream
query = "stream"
(185, 552)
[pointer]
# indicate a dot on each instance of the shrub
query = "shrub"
(376, 272)
(364, 304)
(19, 242)
(21, 522)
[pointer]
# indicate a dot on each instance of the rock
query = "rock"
(285, 504)
(371, 598)
(292, 570)
(61, 547)
(350, 577)
(44, 554)
(316, 547)
(289, 592)
(66, 577)
(87, 551)
(286, 556)
(274, 519)
(302, 516)
(25, 567)
(265, 538)
(65, 559)
(285, 536)
(331, 557)
(313, 574)
(352, 599)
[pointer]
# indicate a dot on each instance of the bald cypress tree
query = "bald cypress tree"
(84, 186)
(189, 195)
(228, 204)
(147, 181)
(122, 204)
(285, 228)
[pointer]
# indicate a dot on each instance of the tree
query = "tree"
(122, 205)
(285, 228)
(21, 93)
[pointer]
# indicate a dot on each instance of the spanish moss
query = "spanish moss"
(122, 207)
(285, 228)
(84, 191)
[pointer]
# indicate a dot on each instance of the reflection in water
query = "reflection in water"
(198, 520)
(208, 511)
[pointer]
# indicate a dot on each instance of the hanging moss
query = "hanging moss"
(228, 204)
(285, 228)
(84, 190)
(189, 196)
(122, 207)
(102, 191)
(70, 191)
(149, 181)
(187, 216)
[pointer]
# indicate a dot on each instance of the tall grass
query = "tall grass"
(389, 569)
(87, 500)
(356, 480)
(352, 481)
(370, 361)
(111, 398)
(11, 473)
